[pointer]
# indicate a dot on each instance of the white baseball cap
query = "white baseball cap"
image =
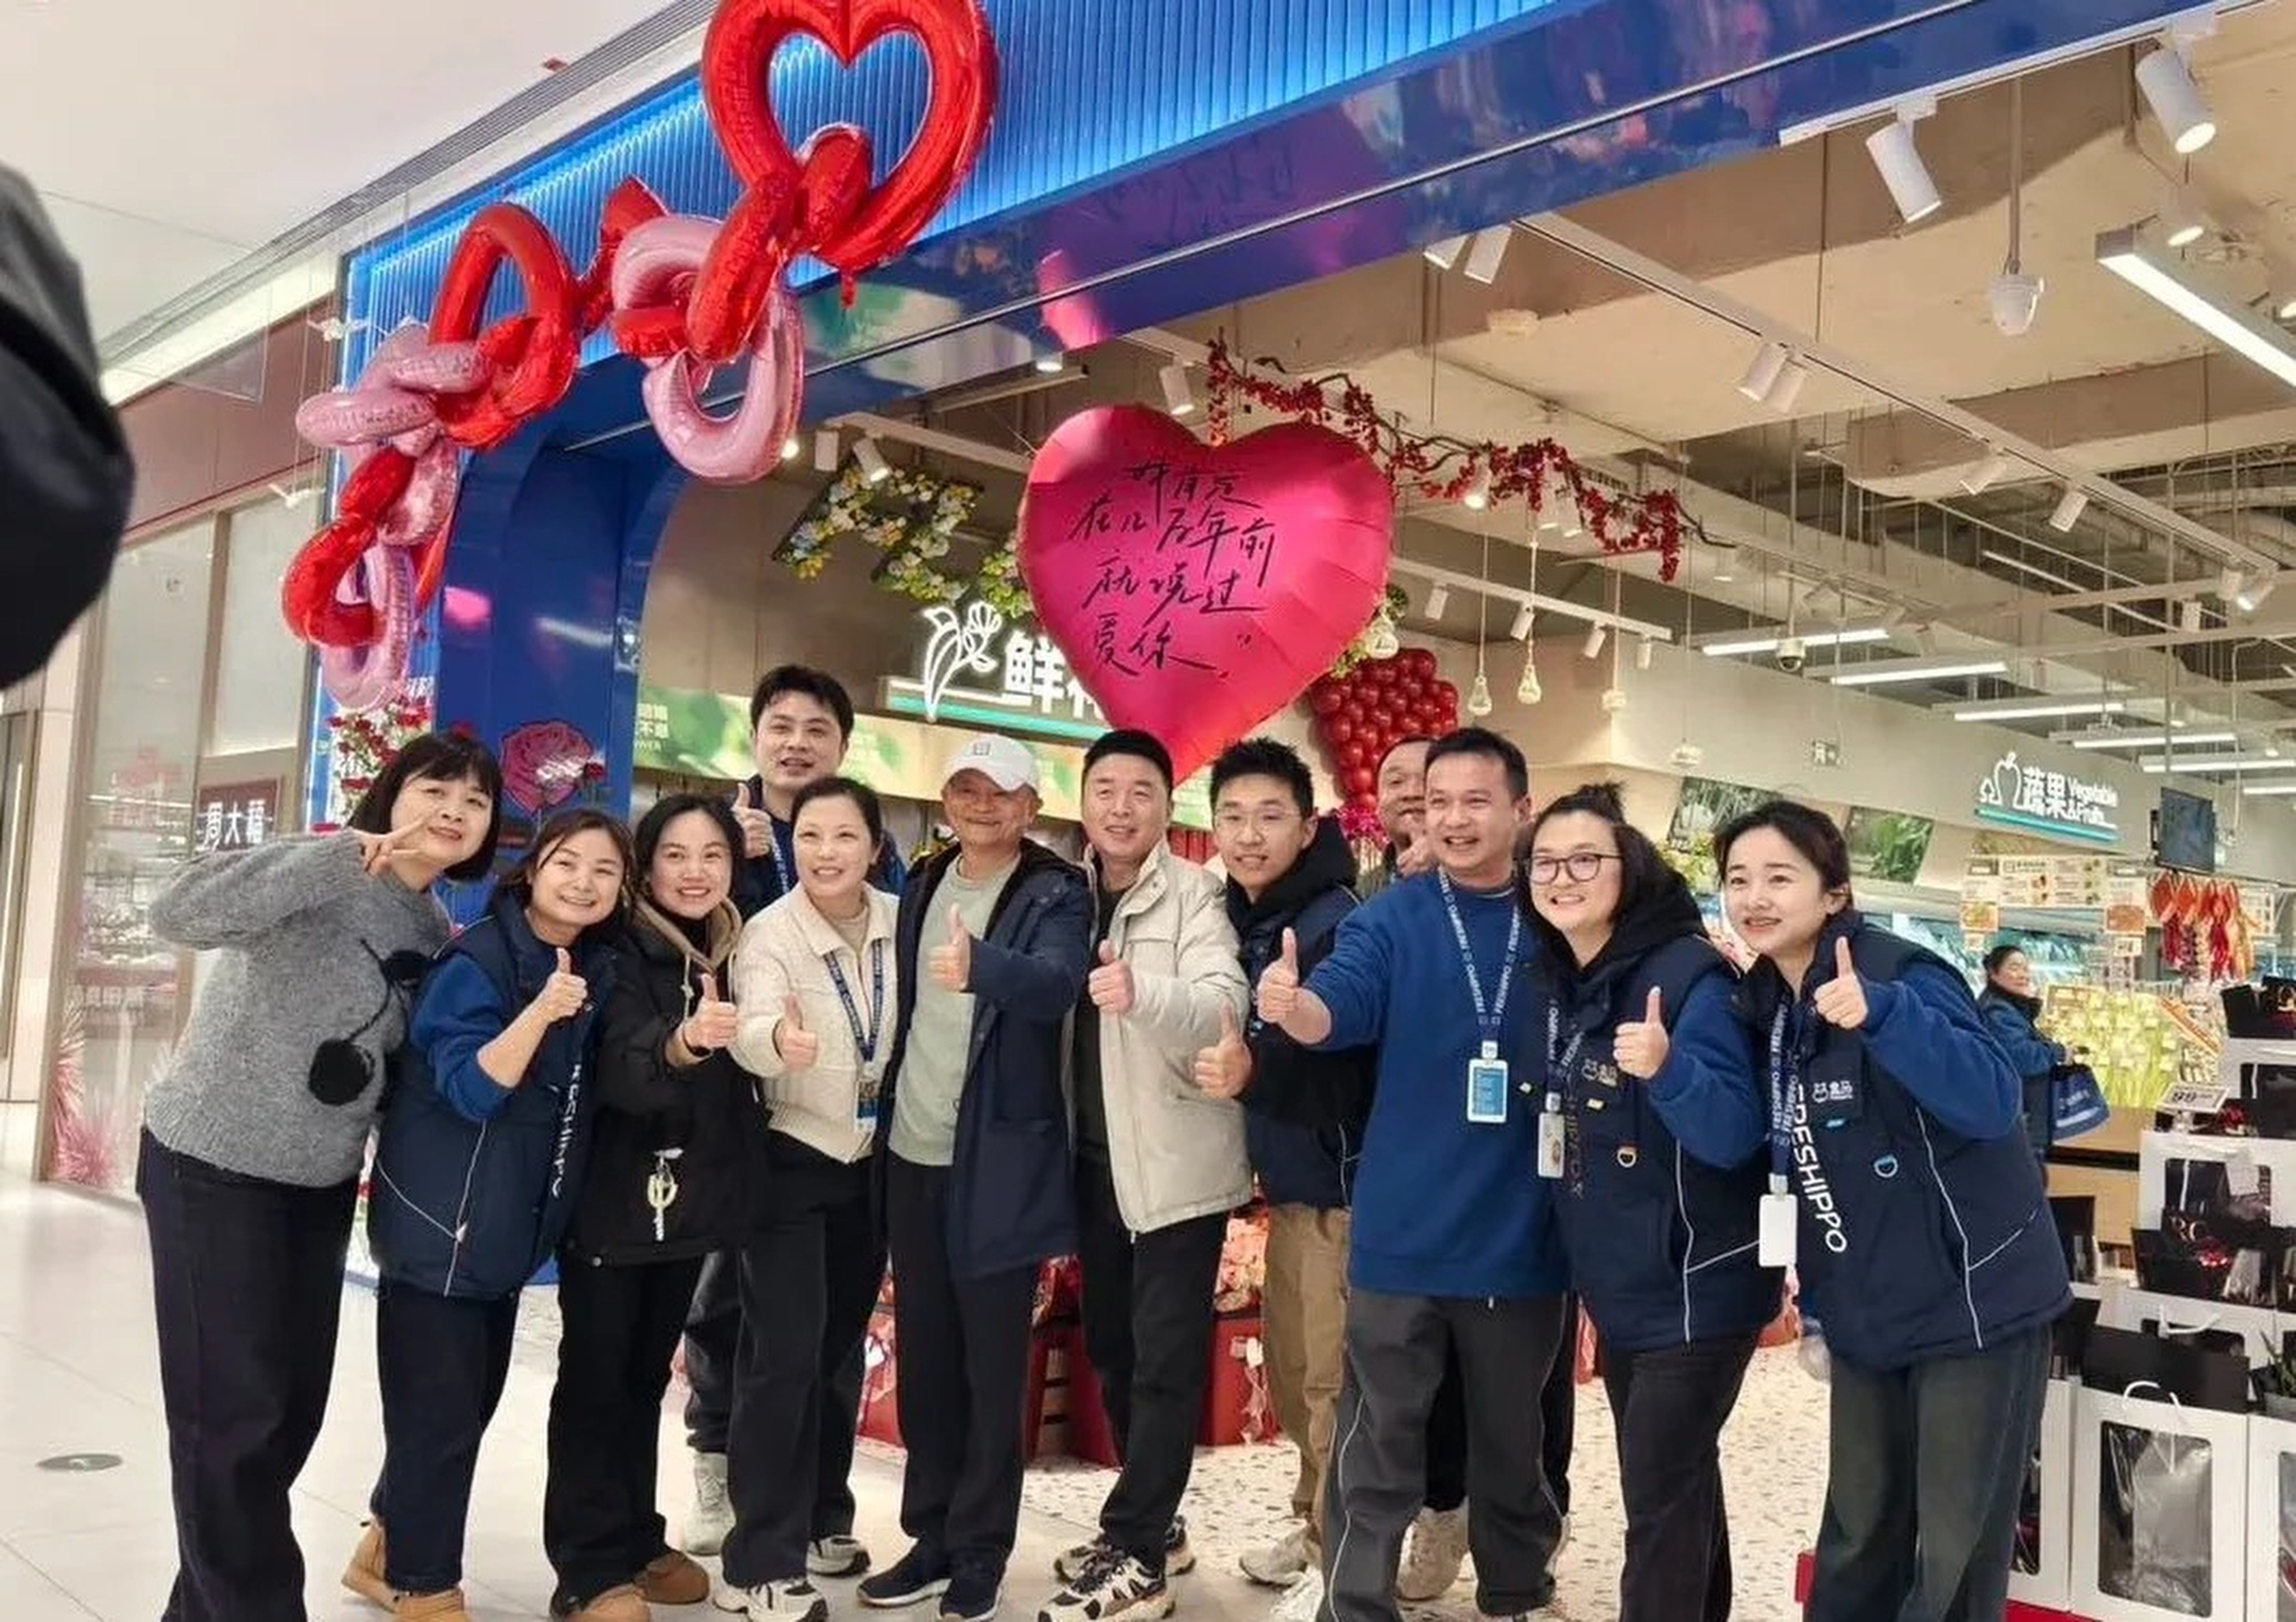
(1005, 762)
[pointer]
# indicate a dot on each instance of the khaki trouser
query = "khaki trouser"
(1304, 1322)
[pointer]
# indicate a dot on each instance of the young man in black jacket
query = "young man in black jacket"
(1288, 874)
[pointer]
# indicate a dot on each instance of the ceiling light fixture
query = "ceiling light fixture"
(1528, 690)
(1988, 473)
(2250, 598)
(2017, 708)
(1900, 164)
(1815, 639)
(2127, 256)
(792, 447)
(1596, 635)
(1179, 394)
(1521, 629)
(2152, 740)
(1762, 375)
(2282, 300)
(2070, 507)
(1478, 494)
(1479, 696)
(826, 450)
(874, 468)
(2166, 79)
(1486, 251)
(1646, 651)
(2219, 762)
(1438, 598)
(1877, 675)
(2182, 223)
(1445, 253)
(2259, 790)
(1051, 365)
(1787, 390)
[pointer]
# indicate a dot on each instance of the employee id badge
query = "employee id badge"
(1486, 1087)
(1775, 1227)
(1551, 1138)
(864, 1103)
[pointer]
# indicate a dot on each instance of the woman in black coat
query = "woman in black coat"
(680, 1138)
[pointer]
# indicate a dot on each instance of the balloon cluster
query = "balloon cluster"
(684, 295)
(1363, 714)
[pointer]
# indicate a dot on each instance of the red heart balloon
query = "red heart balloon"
(1198, 589)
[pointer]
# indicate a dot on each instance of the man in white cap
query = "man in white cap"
(994, 943)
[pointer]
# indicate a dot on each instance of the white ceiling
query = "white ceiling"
(171, 137)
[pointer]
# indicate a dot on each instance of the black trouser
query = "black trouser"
(247, 1288)
(442, 1364)
(1670, 1405)
(1558, 1404)
(961, 1360)
(1379, 1465)
(1926, 1469)
(808, 1281)
(620, 1326)
(1148, 1330)
(713, 1339)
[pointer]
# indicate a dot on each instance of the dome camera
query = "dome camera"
(1792, 654)
(2016, 299)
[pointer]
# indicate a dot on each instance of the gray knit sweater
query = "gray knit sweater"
(280, 1073)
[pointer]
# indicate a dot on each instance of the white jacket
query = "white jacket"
(786, 951)
(1173, 1153)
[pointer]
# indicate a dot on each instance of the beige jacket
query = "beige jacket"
(1174, 1154)
(784, 953)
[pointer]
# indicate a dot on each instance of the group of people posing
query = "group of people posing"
(726, 1068)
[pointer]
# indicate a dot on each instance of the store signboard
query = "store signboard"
(2082, 882)
(1029, 688)
(235, 816)
(2046, 802)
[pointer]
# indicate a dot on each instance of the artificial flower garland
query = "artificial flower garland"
(910, 515)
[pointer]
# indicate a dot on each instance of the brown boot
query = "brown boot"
(672, 1580)
(623, 1604)
(363, 1575)
(445, 1607)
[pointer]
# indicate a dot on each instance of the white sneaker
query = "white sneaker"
(1302, 1601)
(1439, 1548)
(712, 1520)
(837, 1555)
(1280, 1564)
(794, 1602)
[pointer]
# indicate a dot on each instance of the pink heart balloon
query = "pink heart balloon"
(1196, 590)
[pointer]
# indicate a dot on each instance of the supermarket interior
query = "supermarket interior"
(1888, 405)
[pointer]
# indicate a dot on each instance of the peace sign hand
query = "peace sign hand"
(1841, 1001)
(377, 851)
(1640, 1045)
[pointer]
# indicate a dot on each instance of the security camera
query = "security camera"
(2015, 298)
(1792, 654)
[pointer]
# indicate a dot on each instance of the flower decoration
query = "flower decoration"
(999, 583)
(910, 515)
(362, 742)
(546, 763)
(1243, 1265)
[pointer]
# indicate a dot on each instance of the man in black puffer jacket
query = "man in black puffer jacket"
(1289, 873)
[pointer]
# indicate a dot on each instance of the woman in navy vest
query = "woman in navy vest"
(1922, 1237)
(477, 1172)
(2011, 1006)
(1643, 1062)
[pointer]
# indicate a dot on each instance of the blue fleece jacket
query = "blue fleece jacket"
(1443, 1206)
(1929, 1035)
(2033, 1054)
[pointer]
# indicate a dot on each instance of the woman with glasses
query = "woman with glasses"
(1650, 1130)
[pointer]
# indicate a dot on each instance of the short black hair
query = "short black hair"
(519, 882)
(1132, 741)
(1265, 757)
(872, 808)
(786, 679)
(1811, 832)
(1490, 745)
(448, 757)
(1405, 742)
(2001, 954)
(668, 810)
(1644, 876)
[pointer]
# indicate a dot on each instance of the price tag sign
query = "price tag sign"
(2191, 1096)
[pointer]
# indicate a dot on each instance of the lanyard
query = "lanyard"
(1561, 1070)
(1781, 1122)
(1488, 1015)
(865, 1042)
(781, 863)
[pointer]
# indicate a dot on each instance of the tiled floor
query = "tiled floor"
(77, 1376)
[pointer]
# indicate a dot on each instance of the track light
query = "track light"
(2182, 223)
(826, 450)
(1520, 630)
(1644, 651)
(2250, 598)
(1788, 388)
(1901, 168)
(1596, 635)
(1762, 376)
(1486, 252)
(1445, 253)
(1052, 365)
(1985, 472)
(2070, 505)
(1527, 691)
(1179, 394)
(874, 468)
(1478, 494)
(792, 447)
(2166, 79)
(1438, 598)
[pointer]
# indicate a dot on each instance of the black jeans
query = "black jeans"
(713, 1340)
(600, 1523)
(1670, 1405)
(1558, 1402)
(1926, 1469)
(1379, 1466)
(1148, 1329)
(961, 1351)
(808, 1281)
(247, 1287)
(442, 1363)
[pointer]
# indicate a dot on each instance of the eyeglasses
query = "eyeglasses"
(1268, 824)
(1581, 866)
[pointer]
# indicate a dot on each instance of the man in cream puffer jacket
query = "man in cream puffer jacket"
(1160, 1165)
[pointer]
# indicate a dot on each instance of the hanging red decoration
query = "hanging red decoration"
(1360, 717)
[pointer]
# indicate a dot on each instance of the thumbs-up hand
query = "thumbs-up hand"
(562, 995)
(951, 965)
(1640, 1045)
(757, 826)
(1110, 985)
(1279, 983)
(799, 1047)
(1224, 1069)
(1841, 1001)
(713, 1023)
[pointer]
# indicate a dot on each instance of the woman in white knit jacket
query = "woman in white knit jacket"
(814, 976)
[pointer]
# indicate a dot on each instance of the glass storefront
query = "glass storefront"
(199, 704)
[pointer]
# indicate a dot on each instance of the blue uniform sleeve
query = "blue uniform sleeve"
(1043, 982)
(1926, 1031)
(1352, 982)
(892, 874)
(457, 1013)
(2029, 1051)
(1707, 1092)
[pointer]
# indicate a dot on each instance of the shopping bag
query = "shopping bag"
(2198, 1374)
(2271, 1519)
(2163, 1496)
(2217, 1258)
(2075, 1215)
(2041, 1571)
(2077, 1105)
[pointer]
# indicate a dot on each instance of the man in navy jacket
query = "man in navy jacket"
(1453, 1243)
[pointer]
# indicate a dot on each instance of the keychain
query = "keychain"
(661, 1189)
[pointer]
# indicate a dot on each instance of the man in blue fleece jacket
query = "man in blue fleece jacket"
(1453, 1244)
